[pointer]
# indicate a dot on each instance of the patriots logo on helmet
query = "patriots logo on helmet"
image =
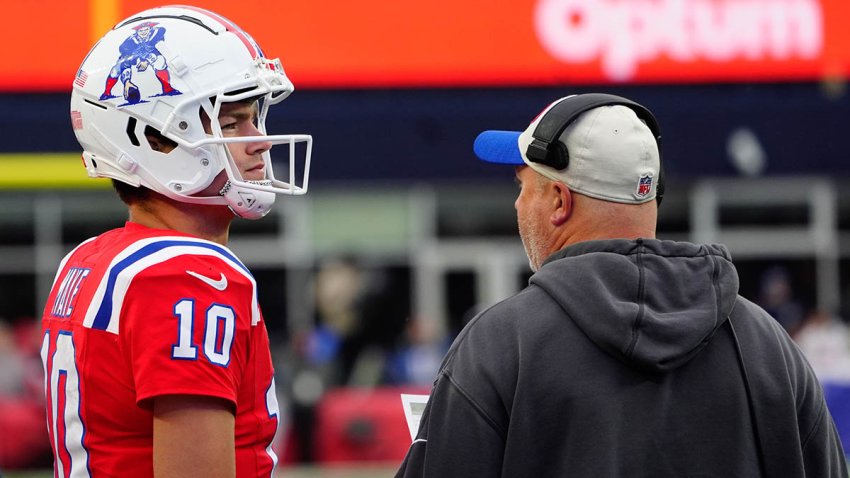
(138, 54)
(644, 186)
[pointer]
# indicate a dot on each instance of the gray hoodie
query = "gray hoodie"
(626, 358)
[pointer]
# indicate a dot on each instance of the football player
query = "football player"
(156, 354)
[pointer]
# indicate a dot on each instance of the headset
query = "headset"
(547, 149)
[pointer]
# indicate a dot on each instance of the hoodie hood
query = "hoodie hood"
(653, 304)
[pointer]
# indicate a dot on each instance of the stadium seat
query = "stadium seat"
(362, 425)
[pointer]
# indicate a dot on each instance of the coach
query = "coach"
(626, 356)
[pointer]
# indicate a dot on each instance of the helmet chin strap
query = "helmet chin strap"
(248, 203)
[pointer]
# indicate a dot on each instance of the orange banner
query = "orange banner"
(392, 43)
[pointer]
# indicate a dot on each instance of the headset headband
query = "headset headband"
(547, 149)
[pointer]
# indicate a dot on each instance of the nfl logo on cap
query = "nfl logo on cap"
(644, 186)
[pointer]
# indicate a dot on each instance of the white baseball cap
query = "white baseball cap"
(612, 154)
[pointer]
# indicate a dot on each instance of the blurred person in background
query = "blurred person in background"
(335, 342)
(156, 353)
(825, 341)
(23, 442)
(416, 358)
(360, 312)
(625, 355)
(776, 296)
(323, 356)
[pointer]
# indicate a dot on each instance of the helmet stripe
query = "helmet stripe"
(231, 27)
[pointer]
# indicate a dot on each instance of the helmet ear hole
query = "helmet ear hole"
(157, 141)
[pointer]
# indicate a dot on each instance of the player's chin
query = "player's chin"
(258, 174)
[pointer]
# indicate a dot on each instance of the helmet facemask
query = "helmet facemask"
(251, 198)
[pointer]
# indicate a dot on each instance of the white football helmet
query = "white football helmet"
(161, 68)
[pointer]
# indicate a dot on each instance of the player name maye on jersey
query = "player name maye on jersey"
(63, 305)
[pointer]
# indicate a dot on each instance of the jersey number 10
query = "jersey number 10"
(219, 328)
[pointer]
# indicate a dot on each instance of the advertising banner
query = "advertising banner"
(391, 43)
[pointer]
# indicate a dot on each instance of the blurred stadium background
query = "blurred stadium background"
(404, 235)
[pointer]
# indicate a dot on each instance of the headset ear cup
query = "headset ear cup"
(558, 156)
(538, 151)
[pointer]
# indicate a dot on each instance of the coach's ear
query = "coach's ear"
(562, 202)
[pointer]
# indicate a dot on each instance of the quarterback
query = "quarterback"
(155, 351)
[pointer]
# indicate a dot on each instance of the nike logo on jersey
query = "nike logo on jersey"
(219, 284)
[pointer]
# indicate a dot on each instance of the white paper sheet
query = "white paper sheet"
(414, 406)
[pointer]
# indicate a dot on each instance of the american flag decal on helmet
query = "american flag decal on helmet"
(81, 78)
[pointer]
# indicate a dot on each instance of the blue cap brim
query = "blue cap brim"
(498, 147)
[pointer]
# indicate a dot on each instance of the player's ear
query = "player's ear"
(562, 202)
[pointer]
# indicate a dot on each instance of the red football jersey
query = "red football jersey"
(136, 313)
